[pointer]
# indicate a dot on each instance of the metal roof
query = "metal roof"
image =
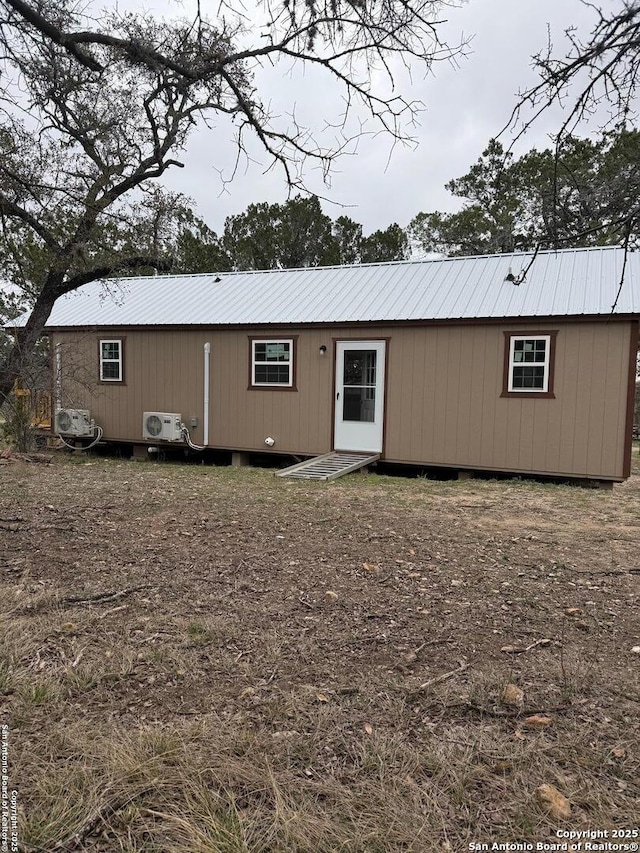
(571, 282)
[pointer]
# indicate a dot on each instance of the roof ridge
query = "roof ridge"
(406, 262)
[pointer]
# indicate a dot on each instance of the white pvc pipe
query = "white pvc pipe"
(58, 377)
(207, 354)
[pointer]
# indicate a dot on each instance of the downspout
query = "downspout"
(207, 355)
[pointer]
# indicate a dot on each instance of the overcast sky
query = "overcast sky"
(464, 107)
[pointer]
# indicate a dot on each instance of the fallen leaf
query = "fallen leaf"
(248, 691)
(321, 697)
(553, 801)
(635, 650)
(512, 695)
(368, 728)
(619, 752)
(572, 611)
(370, 567)
(410, 657)
(510, 650)
(503, 766)
(582, 625)
(537, 721)
(331, 595)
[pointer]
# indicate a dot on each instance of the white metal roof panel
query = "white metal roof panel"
(571, 282)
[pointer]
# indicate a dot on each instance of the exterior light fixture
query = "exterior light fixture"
(323, 350)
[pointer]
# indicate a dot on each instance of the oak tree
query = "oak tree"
(96, 107)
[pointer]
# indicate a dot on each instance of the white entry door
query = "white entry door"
(359, 401)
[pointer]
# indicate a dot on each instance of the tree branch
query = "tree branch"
(118, 265)
(33, 17)
(10, 208)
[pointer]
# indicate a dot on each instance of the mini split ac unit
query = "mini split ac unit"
(74, 422)
(162, 426)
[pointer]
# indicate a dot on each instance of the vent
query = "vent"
(162, 426)
(74, 422)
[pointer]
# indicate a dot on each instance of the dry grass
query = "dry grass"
(176, 678)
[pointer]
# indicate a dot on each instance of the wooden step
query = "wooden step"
(329, 466)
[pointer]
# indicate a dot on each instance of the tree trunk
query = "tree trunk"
(17, 362)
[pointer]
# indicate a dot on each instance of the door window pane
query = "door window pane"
(359, 404)
(359, 399)
(360, 367)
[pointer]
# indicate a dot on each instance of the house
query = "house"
(509, 363)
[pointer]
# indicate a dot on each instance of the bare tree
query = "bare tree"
(601, 69)
(93, 110)
(596, 81)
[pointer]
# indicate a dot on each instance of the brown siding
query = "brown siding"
(443, 394)
(462, 420)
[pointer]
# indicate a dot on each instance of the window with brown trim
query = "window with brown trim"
(272, 363)
(111, 360)
(529, 364)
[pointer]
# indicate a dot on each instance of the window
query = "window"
(111, 360)
(359, 390)
(529, 361)
(272, 363)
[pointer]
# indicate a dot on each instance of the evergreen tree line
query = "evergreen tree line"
(277, 236)
(585, 192)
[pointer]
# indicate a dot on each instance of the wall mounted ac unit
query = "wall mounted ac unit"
(162, 426)
(74, 422)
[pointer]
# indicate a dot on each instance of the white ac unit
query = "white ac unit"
(162, 426)
(74, 422)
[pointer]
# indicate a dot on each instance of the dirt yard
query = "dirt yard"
(212, 660)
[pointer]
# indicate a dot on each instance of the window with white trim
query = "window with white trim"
(529, 364)
(111, 360)
(272, 363)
